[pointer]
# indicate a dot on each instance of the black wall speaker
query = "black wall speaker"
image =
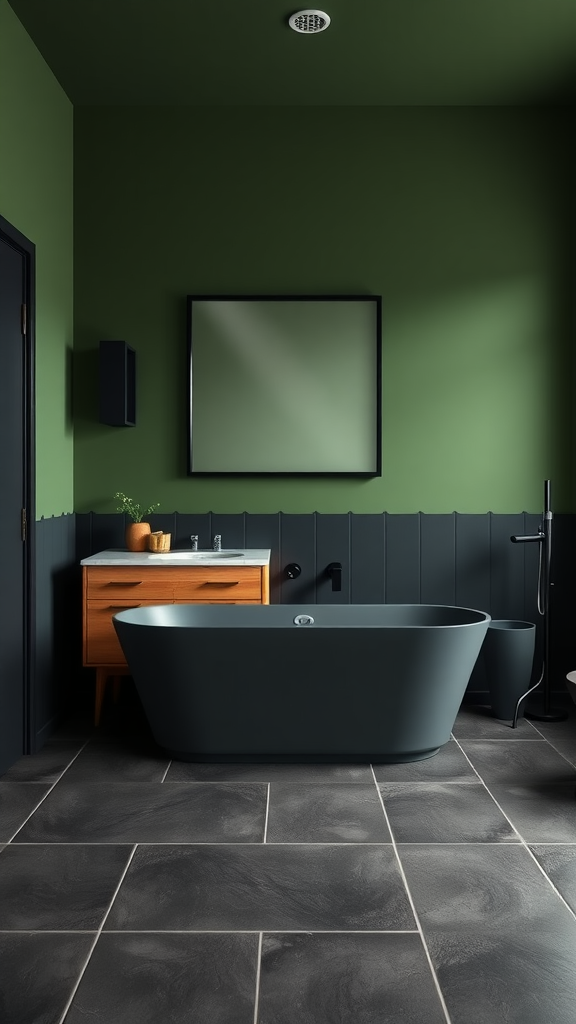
(117, 384)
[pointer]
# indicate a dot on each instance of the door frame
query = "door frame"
(15, 238)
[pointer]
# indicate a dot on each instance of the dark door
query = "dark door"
(14, 366)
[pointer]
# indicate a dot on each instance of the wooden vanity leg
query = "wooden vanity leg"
(101, 679)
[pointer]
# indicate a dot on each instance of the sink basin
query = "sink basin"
(196, 556)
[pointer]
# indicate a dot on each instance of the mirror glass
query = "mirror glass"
(286, 385)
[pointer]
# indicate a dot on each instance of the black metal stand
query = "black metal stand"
(544, 712)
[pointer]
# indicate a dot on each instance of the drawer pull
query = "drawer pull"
(221, 583)
(122, 607)
(124, 583)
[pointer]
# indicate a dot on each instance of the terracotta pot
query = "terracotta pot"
(137, 536)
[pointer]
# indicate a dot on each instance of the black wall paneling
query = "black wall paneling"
(192, 525)
(507, 568)
(367, 558)
(332, 545)
(402, 563)
(165, 521)
(456, 558)
(230, 526)
(298, 544)
(58, 625)
(473, 561)
(263, 531)
(438, 559)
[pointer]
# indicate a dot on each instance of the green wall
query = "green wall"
(36, 127)
(457, 217)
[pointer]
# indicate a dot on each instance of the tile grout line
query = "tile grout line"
(566, 758)
(267, 810)
(523, 842)
(258, 964)
(98, 934)
(163, 779)
(55, 783)
(412, 905)
(207, 931)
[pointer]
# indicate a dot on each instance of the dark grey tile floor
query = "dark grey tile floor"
(134, 890)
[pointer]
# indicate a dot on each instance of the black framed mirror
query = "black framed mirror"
(284, 385)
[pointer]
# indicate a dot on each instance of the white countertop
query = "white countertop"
(232, 556)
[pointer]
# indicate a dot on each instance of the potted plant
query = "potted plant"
(137, 532)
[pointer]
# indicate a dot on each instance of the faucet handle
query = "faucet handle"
(194, 541)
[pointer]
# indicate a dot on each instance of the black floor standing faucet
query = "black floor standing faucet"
(546, 713)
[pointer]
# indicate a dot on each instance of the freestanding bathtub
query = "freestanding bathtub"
(284, 683)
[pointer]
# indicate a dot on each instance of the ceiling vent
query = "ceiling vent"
(309, 22)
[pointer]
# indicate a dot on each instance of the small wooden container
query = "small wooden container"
(159, 541)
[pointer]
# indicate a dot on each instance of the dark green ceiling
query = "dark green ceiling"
(242, 52)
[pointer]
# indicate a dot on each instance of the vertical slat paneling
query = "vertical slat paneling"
(165, 521)
(42, 652)
(108, 531)
(473, 581)
(298, 544)
(367, 567)
(402, 559)
(506, 567)
(83, 533)
(531, 527)
(192, 525)
(563, 601)
(263, 531)
(332, 545)
(473, 561)
(532, 524)
(231, 529)
(438, 559)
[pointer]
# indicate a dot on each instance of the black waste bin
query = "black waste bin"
(508, 652)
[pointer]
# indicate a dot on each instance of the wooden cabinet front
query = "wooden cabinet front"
(109, 589)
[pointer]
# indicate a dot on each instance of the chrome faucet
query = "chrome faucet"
(217, 544)
(194, 541)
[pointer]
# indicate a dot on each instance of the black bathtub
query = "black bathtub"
(288, 683)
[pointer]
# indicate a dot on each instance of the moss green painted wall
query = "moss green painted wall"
(36, 196)
(456, 217)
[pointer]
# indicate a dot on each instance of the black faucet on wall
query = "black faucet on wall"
(334, 571)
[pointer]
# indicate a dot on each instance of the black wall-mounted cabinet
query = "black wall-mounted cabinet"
(117, 384)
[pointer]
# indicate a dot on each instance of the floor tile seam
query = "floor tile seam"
(97, 936)
(231, 843)
(469, 842)
(48, 931)
(550, 744)
(499, 739)
(46, 794)
(413, 907)
(257, 931)
(429, 782)
(524, 843)
(262, 782)
(258, 972)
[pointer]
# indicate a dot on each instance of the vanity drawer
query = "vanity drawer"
(123, 581)
(101, 645)
(206, 584)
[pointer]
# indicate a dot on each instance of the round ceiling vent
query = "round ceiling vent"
(309, 21)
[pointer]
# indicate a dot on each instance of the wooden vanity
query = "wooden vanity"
(115, 580)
